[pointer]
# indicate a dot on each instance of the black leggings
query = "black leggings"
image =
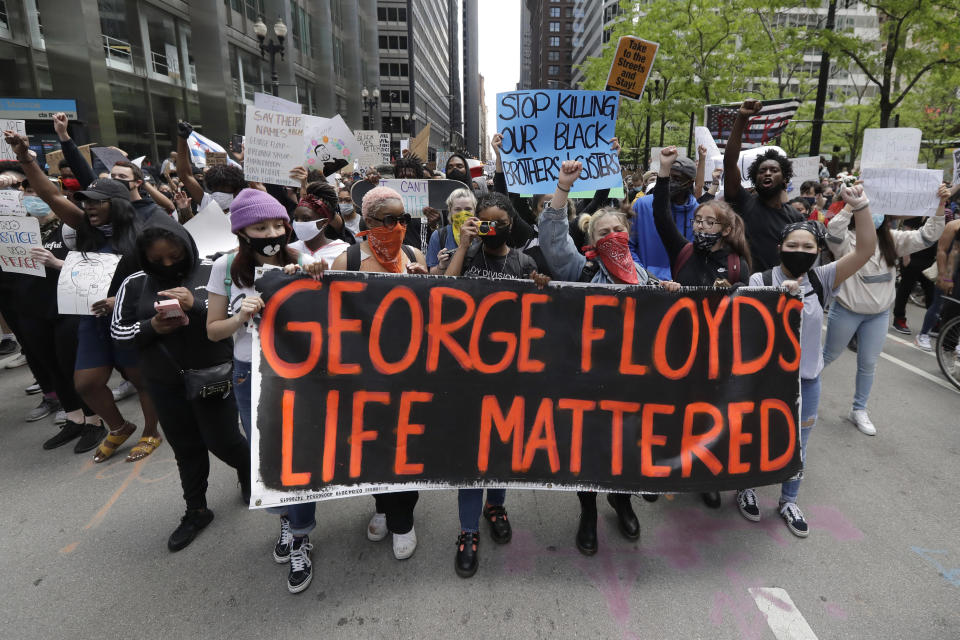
(909, 276)
(398, 508)
(51, 350)
(195, 427)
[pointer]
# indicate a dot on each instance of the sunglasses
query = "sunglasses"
(391, 221)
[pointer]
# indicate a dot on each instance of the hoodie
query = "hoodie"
(186, 347)
(645, 243)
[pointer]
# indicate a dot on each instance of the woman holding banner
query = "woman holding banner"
(609, 262)
(864, 303)
(800, 244)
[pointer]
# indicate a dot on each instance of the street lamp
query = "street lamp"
(412, 119)
(271, 47)
(370, 102)
(646, 144)
(391, 96)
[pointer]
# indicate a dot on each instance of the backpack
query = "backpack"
(733, 263)
(815, 283)
(354, 260)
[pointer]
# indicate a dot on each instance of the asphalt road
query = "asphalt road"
(83, 546)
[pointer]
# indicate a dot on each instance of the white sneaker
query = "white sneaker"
(860, 418)
(377, 528)
(404, 544)
(923, 341)
(16, 361)
(60, 418)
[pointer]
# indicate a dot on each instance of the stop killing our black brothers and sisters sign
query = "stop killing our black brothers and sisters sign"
(365, 383)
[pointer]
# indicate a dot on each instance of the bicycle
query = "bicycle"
(948, 345)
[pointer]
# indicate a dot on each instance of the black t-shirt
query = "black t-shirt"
(515, 265)
(42, 292)
(763, 226)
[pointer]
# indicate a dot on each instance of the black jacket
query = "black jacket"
(185, 348)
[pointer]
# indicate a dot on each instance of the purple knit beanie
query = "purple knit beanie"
(251, 206)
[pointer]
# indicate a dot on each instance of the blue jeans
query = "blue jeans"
(809, 401)
(302, 516)
(933, 312)
(871, 332)
(470, 502)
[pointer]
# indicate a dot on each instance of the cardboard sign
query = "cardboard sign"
(389, 383)
(541, 129)
(53, 158)
(210, 230)
(268, 102)
(17, 236)
(108, 156)
(420, 144)
(19, 126)
(273, 146)
(84, 279)
(892, 148)
(902, 192)
(369, 141)
(385, 148)
(631, 66)
(215, 158)
(11, 203)
(437, 193)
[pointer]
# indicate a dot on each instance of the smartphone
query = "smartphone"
(169, 308)
(486, 229)
(237, 143)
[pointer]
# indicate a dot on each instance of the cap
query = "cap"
(104, 189)
(686, 166)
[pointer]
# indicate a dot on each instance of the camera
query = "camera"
(487, 229)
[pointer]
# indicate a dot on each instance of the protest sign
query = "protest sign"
(541, 129)
(902, 192)
(437, 193)
(956, 166)
(632, 62)
(405, 145)
(84, 279)
(892, 148)
(385, 148)
(267, 102)
(17, 236)
(108, 156)
(19, 126)
(617, 193)
(369, 154)
(762, 127)
(326, 140)
(704, 139)
(497, 383)
(210, 230)
(805, 169)
(655, 156)
(215, 158)
(442, 158)
(273, 146)
(420, 144)
(53, 158)
(415, 194)
(11, 203)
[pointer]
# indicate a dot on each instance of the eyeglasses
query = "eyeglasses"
(706, 223)
(90, 203)
(391, 221)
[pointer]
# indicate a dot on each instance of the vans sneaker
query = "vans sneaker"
(747, 503)
(794, 518)
(281, 550)
(301, 568)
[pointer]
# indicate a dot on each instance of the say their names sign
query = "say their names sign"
(902, 192)
(541, 129)
(17, 236)
(273, 146)
(631, 66)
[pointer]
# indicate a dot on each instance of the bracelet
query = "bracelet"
(863, 206)
(562, 189)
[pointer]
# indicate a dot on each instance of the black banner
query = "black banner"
(367, 380)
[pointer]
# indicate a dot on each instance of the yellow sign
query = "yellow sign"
(631, 66)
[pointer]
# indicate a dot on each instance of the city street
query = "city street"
(83, 546)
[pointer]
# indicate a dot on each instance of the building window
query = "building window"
(568, 12)
(393, 42)
(392, 14)
(554, 12)
(553, 56)
(254, 9)
(393, 69)
(554, 27)
(300, 30)
(553, 70)
(554, 41)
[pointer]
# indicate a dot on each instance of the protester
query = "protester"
(187, 375)
(106, 223)
(947, 260)
(318, 223)
(417, 229)
(348, 211)
(911, 273)
(444, 241)
(799, 245)
(863, 303)
(765, 213)
(223, 182)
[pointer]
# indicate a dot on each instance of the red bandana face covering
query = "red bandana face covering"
(385, 246)
(614, 251)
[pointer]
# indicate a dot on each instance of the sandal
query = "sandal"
(113, 440)
(143, 448)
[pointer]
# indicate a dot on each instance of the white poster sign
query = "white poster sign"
(655, 156)
(704, 139)
(268, 102)
(369, 142)
(385, 148)
(273, 146)
(893, 148)
(84, 279)
(956, 166)
(805, 169)
(210, 229)
(11, 203)
(17, 236)
(6, 152)
(902, 192)
(327, 139)
(415, 194)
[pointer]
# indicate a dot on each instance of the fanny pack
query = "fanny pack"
(210, 382)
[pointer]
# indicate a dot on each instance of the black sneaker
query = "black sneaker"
(747, 503)
(500, 529)
(301, 569)
(8, 346)
(711, 499)
(794, 518)
(900, 326)
(466, 562)
(650, 497)
(90, 437)
(192, 523)
(68, 432)
(281, 551)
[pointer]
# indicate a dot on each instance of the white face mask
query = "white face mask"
(306, 231)
(223, 200)
(346, 208)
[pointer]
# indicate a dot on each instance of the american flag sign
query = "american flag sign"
(762, 127)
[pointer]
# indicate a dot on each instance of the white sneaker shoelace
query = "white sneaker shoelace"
(286, 537)
(792, 511)
(299, 557)
(748, 498)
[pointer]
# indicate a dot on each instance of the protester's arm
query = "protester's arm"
(701, 172)
(82, 170)
(184, 167)
(184, 211)
(124, 325)
(944, 274)
(731, 154)
(468, 232)
(838, 237)
(673, 240)
(157, 196)
(908, 242)
(62, 207)
(866, 235)
(496, 142)
(566, 263)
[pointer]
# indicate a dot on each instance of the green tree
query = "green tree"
(934, 108)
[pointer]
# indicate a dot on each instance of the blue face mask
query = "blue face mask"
(877, 220)
(35, 206)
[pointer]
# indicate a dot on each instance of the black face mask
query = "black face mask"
(176, 272)
(705, 241)
(810, 200)
(267, 247)
(497, 241)
(459, 176)
(678, 189)
(797, 263)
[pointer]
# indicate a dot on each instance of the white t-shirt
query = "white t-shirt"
(242, 341)
(328, 252)
(353, 225)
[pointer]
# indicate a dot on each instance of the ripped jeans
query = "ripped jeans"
(809, 402)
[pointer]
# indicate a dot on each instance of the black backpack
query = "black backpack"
(815, 283)
(354, 259)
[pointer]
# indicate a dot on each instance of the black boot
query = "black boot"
(467, 561)
(626, 518)
(587, 533)
(500, 529)
(192, 523)
(711, 499)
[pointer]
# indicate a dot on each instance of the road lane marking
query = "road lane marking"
(783, 617)
(910, 343)
(920, 372)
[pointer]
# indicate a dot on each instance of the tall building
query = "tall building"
(551, 43)
(525, 38)
(471, 78)
(484, 134)
(592, 26)
(456, 96)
